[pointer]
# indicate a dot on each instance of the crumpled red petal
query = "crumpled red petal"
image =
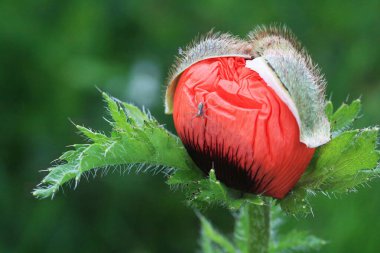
(229, 119)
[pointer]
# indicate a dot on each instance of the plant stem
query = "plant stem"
(259, 225)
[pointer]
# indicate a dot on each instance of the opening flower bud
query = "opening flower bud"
(235, 114)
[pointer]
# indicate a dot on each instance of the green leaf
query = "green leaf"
(211, 191)
(120, 120)
(296, 241)
(213, 241)
(296, 203)
(347, 161)
(184, 177)
(92, 135)
(342, 159)
(135, 114)
(344, 115)
(242, 230)
(136, 141)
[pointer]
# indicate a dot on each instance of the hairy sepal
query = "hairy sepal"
(301, 77)
(211, 45)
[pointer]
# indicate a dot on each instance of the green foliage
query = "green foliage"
(293, 241)
(296, 241)
(247, 229)
(212, 241)
(344, 116)
(349, 160)
(210, 191)
(250, 225)
(137, 141)
(242, 230)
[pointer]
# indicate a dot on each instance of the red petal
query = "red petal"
(229, 118)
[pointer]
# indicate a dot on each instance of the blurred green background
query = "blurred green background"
(53, 54)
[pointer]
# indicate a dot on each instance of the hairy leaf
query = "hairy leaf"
(211, 191)
(344, 115)
(296, 203)
(342, 159)
(296, 241)
(137, 140)
(347, 161)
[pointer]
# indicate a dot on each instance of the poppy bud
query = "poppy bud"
(252, 110)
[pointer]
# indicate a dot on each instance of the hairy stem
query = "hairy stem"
(259, 224)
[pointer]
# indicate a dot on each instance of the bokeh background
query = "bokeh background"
(54, 53)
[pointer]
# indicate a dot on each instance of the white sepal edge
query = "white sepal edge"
(260, 66)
